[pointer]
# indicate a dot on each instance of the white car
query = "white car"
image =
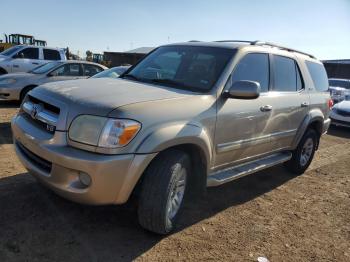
(340, 114)
(339, 88)
(23, 58)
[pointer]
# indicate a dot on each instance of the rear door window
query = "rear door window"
(318, 75)
(90, 70)
(253, 67)
(286, 73)
(50, 54)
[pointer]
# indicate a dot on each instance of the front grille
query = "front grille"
(343, 112)
(339, 122)
(41, 113)
(36, 160)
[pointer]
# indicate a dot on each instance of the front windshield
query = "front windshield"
(42, 69)
(11, 51)
(339, 83)
(191, 68)
(111, 73)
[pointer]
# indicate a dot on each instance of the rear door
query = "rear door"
(289, 101)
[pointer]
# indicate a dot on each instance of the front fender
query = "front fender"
(314, 116)
(175, 135)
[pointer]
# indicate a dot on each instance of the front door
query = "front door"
(26, 60)
(239, 134)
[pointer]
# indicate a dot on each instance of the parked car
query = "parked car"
(339, 88)
(16, 85)
(23, 58)
(187, 116)
(113, 72)
(340, 114)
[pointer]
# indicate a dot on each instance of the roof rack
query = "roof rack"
(263, 43)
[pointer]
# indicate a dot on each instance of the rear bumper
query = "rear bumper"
(326, 124)
(58, 166)
(9, 93)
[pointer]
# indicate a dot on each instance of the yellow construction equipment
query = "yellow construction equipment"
(20, 39)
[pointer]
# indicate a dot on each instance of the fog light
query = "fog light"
(85, 179)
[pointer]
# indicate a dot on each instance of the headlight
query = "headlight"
(102, 131)
(7, 81)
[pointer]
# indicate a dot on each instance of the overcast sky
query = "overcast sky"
(321, 27)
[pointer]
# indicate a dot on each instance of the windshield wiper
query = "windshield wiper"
(167, 81)
(132, 77)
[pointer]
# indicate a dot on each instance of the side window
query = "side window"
(68, 70)
(90, 70)
(50, 54)
(286, 74)
(29, 53)
(253, 67)
(318, 75)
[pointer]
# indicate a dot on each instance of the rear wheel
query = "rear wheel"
(304, 153)
(163, 191)
(24, 92)
(3, 71)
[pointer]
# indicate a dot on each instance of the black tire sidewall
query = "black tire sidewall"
(294, 163)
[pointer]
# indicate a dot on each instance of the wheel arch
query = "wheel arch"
(313, 120)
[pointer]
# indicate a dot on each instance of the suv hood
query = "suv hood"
(100, 96)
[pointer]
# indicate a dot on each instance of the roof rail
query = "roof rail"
(262, 43)
(234, 41)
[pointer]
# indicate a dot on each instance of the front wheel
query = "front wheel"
(163, 191)
(304, 153)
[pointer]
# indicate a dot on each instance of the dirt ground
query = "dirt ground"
(272, 214)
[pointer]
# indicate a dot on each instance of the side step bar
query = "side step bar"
(232, 173)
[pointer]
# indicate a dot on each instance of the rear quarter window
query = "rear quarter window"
(318, 75)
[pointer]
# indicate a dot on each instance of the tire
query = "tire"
(3, 71)
(24, 92)
(165, 176)
(304, 153)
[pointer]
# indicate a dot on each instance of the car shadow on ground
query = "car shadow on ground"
(37, 224)
(5, 133)
(339, 131)
(9, 104)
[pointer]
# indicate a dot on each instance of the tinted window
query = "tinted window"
(45, 67)
(50, 54)
(29, 53)
(339, 83)
(90, 70)
(253, 67)
(286, 74)
(318, 75)
(68, 70)
(186, 67)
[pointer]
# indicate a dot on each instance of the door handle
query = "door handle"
(304, 104)
(35, 63)
(16, 66)
(266, 108)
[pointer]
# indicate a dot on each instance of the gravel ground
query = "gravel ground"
(271, 214)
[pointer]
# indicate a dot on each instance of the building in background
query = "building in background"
(126, 58)
(337, 68)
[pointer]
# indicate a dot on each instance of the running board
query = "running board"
(232, 173)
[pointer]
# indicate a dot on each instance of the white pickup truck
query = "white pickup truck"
(23, 58)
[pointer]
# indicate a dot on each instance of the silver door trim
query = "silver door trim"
(225, 147)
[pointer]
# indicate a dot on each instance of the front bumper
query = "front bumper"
(339, 120)
(57, 165)
(9, 93)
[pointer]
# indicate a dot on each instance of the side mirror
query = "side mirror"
(243, 90)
